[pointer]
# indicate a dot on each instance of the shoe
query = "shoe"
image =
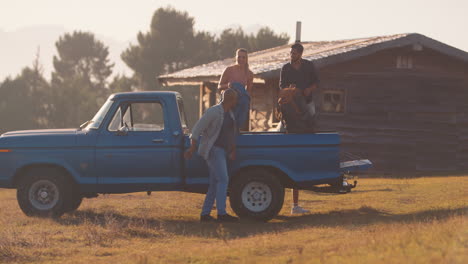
(227, 218)
(299, 210)
(206, 218)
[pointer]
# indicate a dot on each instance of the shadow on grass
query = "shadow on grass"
(345, 218)
(412, 174)
(377, 190)
(354, 191)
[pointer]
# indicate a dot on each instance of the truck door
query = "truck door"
(138, 151)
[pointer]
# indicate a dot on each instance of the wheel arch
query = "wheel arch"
(22, 172)
(285, 180)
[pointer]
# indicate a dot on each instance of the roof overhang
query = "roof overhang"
(194, 81)
(322, 55)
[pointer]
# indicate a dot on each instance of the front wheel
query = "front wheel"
(44, 192)
(257, 194)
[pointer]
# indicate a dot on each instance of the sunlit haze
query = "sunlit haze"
(26, 25)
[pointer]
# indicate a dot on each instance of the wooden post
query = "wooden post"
(200, 100)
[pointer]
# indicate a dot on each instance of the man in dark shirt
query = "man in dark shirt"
(219, 130)
(227, 135)
(300, 74)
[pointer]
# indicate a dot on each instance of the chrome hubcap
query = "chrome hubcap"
(43, 194)
(256, 196)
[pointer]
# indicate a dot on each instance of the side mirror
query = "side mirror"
(123, 131)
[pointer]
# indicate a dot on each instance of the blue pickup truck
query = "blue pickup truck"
(136, 142)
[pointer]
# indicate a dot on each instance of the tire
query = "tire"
(44, 192)
(337, 184)
(257, 194)
(74, 204)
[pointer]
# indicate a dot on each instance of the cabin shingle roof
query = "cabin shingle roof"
(266, 63)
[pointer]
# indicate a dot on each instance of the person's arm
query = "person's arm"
(189, 152)
(308, 91)
(314, 78)
(283, 82)
(224, 80)
(232, 147)
(249, 82)
(232, 154)
(198, 130)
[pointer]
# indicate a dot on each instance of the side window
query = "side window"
(121, 118)
(147, 117)
(139, 117)
(332, 101)
(183, 118)
(404, 62)
(116, 122)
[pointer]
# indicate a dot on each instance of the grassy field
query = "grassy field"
(422, 220)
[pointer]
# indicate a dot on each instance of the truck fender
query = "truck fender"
(282, 171)
(23, 166)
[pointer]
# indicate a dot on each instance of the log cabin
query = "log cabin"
(399, 100)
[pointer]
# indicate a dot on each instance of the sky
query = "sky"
(117, 22)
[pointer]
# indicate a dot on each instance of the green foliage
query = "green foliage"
(172, 44)
(162, 49)
(74, 102)
(121, 83)
(81, 55)
(79, 82)
(266, 38)
(230, 40)
(23, 101)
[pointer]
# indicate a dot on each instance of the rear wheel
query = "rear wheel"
(44, 192)
(74, 203)
(257, 194)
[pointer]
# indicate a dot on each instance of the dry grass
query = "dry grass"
(419, 220)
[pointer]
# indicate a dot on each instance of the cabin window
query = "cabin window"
(404, 62)
(332, 101)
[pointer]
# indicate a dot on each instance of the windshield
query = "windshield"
(97, 119)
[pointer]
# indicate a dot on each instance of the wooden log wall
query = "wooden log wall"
(262, 105)
(462, 125)
(403, 121)
(209, 96)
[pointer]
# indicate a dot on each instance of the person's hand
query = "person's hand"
(286, 95)
(188, 154)
(308, 91)
(293, 88)
(232, 155)
(229, 85)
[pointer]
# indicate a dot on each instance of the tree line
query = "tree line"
(81, 77)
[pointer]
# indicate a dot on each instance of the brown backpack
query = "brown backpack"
(293, 112)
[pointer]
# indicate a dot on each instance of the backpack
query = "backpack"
(294, 112)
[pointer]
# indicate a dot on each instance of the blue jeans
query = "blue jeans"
(219, 179)
(241, 110)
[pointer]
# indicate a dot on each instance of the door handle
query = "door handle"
(158, 140)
